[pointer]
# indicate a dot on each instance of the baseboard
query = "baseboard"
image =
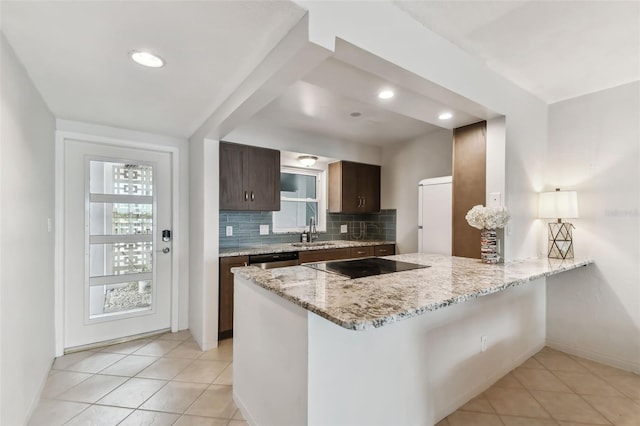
(243, 409)
(623, 364)
(106, 343)
(36, 400)
(491, 380)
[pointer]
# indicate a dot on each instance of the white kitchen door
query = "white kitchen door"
(117, 265)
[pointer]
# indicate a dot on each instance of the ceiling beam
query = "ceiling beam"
(288, 62)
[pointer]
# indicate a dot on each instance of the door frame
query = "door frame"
(59, 274)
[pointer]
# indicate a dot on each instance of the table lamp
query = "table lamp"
(559, 205)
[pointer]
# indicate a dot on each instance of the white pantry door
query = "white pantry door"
(117, 265)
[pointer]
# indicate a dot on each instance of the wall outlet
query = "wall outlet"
(264, 229)
(49, 224)
(229, 231)
(483, 343)
(494, 200)
(343, 229)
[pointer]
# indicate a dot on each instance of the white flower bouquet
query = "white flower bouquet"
(481, 217)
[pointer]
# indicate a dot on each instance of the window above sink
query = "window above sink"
(303, 196)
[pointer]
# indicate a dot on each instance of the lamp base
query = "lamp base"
(560, 240)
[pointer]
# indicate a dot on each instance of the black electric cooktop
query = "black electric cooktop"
(358, 268)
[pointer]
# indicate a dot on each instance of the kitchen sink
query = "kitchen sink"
(315, 244)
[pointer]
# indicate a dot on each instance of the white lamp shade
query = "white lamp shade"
(558, 204)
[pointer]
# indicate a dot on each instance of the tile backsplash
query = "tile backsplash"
(246, 228)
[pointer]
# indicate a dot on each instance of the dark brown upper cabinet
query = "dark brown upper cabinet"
(249, 178)
(354, 187)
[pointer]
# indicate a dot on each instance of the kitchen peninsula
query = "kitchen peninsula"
(312, 347)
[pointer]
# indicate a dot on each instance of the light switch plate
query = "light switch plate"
(343, 229)
(229, 231)
(264, 229)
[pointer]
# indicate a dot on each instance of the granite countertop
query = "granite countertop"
(365, 303)
(317, 245)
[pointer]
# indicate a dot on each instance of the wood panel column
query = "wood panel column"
(469, 185)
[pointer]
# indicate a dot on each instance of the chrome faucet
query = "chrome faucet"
(313, 232)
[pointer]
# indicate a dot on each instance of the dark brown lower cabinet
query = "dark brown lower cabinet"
(225, 309)
(323, 255)
(385, 250)
(362, 251)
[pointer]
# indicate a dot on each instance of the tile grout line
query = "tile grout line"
(529, 391)
(573, 392)
(624, 396)
(129, 377)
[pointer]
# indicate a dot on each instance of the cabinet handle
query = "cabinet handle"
(246, 195)
(361, 252)
(364, 201)
(382, 250)
(253, 197)
(359, 201)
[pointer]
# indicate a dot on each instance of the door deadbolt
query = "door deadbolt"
(166, 235)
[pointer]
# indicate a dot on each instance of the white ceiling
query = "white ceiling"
(554, 49)
(76, 53)
(309, 108)
(323, 103)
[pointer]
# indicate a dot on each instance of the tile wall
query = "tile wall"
(246, 228)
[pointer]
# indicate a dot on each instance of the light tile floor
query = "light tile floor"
(165, 380)
(168, 381)
(555, 389)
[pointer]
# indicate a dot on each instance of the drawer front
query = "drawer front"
(362, 251)
(323, 255)
(385, 250)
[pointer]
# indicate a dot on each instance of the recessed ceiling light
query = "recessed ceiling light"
(147, 59)
(445, 116)
(386, 94)
(355, 114)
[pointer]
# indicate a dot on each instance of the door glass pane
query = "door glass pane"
(119, 298)
(295, 214)
(297, 186)
(120, 258)
(115, 219)
(120, 178)
(120, 218)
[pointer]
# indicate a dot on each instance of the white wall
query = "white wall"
(403, 166)
(289, 360)
(204, 202)
(265, 135)
(495, 161)
(594, 143)
(27, 254)
(181, 233)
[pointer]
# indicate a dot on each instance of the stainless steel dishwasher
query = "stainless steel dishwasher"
(274, 260)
